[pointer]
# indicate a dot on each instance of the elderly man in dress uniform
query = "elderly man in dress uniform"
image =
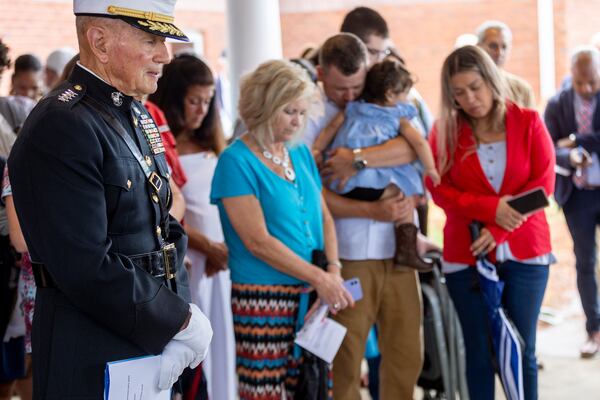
(91, 189)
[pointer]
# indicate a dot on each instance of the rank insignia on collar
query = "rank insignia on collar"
(117, 98)
(67, 96)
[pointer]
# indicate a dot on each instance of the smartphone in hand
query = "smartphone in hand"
(530, 201)
(353, 286)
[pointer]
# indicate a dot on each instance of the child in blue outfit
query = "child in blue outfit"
(382, 114)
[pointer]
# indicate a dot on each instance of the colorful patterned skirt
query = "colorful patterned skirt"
(264, 320)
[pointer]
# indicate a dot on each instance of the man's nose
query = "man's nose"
(162, 55)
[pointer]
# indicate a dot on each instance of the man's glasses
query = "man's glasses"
(379, 54)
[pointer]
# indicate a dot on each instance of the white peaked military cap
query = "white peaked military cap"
(153, 16)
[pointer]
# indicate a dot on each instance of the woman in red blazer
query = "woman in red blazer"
(487, 149)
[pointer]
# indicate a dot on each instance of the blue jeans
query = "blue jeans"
(522, 298)
(582, 213)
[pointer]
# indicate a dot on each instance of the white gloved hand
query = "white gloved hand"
(175, 357)
(187, 348)
(197, 335)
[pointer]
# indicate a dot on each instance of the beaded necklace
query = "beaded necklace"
(288, 171)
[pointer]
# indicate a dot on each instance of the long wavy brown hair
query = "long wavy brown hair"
(466, 59)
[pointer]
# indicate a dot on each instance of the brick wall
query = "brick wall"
(424, 30)
(41, 26)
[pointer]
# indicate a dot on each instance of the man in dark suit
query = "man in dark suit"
(573, 119)
(91, 189)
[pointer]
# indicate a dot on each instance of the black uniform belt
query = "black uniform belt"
(161, 263)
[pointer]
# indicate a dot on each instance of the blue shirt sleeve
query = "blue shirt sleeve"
(309, 161)
(234, 175)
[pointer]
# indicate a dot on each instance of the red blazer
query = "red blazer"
(177, 172)
(466, 195)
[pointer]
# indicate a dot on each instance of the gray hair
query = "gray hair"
(83, 22)
(586, 51)
(491, 24)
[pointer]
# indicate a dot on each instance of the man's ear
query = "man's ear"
(98, 41)
(320, 73)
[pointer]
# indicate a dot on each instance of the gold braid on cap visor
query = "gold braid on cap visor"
(153, 21)
(129, 12)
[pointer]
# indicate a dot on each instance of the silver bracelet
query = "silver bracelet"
(337, 263)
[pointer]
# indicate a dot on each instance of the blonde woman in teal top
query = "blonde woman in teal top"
(268, 191)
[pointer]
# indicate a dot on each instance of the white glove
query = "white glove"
(187, 349)
(175, 357)
(197, 335)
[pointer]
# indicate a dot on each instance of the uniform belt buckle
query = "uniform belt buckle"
(169, 269)
(155, 181)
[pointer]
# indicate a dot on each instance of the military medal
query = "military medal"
(151, 133)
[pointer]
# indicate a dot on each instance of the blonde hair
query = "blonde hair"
(466, 59)
(267, 90)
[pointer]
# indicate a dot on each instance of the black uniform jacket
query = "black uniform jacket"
(85, 206)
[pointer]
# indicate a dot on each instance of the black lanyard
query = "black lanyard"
(154, 180)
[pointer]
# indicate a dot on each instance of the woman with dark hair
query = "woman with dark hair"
(26, 80)
(186, 96)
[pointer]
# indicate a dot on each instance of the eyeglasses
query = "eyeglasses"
(380, 54)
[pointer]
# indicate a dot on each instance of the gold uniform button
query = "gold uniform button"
(148, 160)
(158, 230)
(77, 87)
(128, 184)
(155, 198)
(135, 121)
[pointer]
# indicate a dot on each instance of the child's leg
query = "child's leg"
(390, 191)
(393, 190)
(406, 242)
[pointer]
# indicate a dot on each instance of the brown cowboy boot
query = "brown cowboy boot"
(406, 249)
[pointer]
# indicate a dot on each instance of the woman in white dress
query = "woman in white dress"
(186, 96)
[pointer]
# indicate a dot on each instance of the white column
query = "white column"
(545, 11)
(254, 36)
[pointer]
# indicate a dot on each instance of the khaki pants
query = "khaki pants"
(392, 299)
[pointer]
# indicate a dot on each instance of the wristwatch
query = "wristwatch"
(337, 263)
(359, 162)
(573, 138)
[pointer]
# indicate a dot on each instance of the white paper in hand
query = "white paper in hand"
(134, 379)
(321, 336)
